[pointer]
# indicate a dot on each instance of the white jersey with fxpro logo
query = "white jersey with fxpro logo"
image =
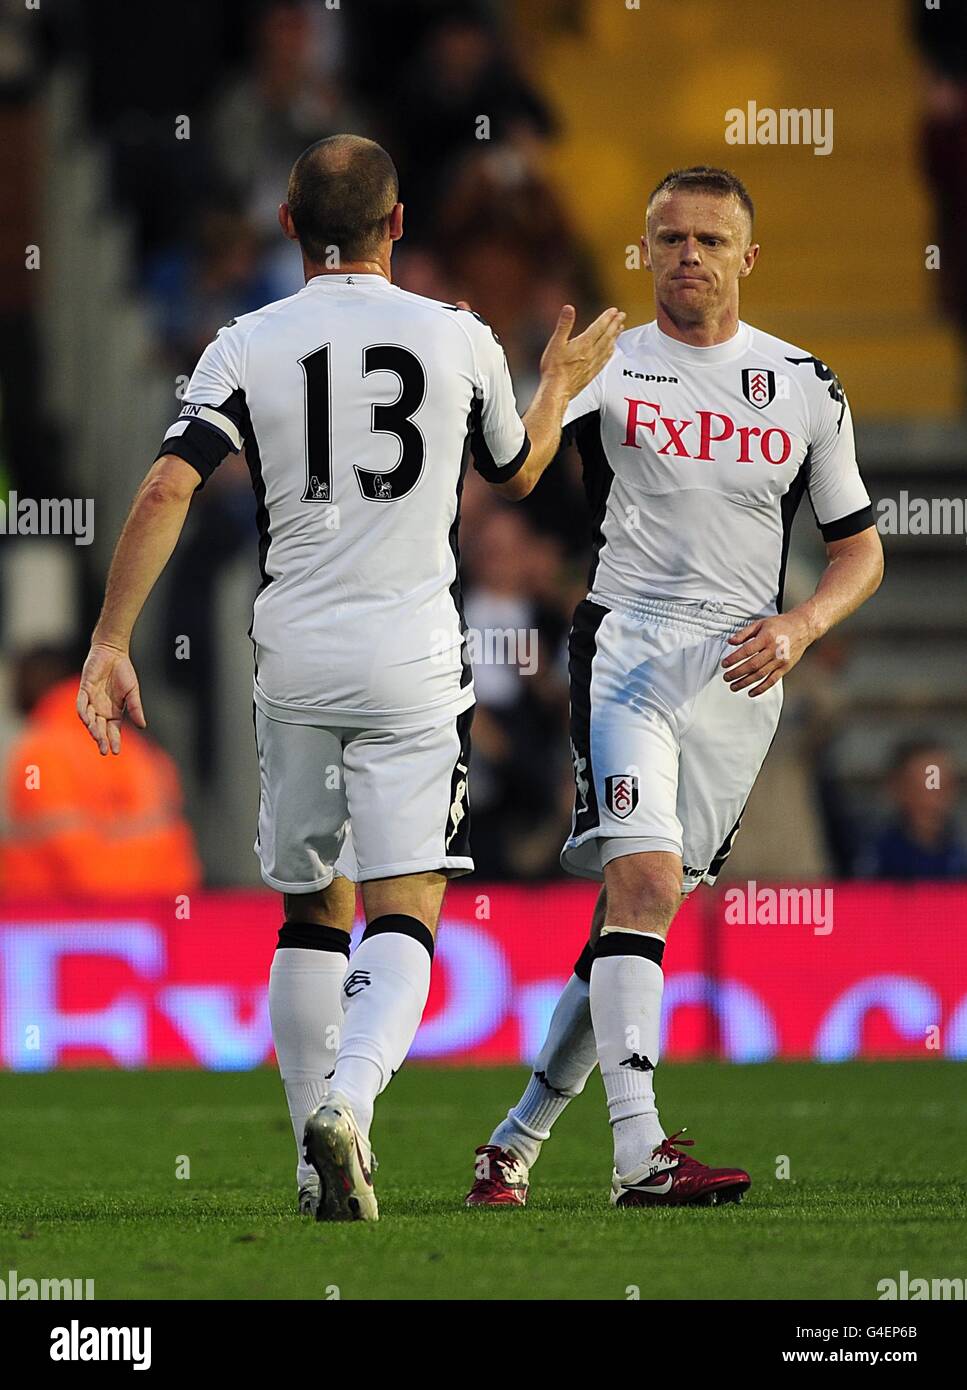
(358, 406)
(695, 459)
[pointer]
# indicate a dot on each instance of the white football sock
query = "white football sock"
(305, 1009)
(626, 993)
(384, 995)
(563, 1066)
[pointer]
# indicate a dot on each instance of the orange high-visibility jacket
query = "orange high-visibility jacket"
(78, 823)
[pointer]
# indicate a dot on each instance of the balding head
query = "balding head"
(341, 193)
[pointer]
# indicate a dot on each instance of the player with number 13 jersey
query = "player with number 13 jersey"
(357, 404)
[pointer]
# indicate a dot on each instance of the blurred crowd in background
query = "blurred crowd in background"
(483, 223)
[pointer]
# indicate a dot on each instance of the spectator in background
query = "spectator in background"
(504, 238)
(29, 448)
(145, 67)
(462, 75)
(942, 35)
(291, 96)
(76, 823)
(923, 840)
(220, 527)
(198, 286)
(520, 722)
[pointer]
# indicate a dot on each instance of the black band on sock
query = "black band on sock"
(629, 943)
(312, 936)
(582, 966)
(404, 926)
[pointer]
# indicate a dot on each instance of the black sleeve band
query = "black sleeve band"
(487, 467)
(848, 525)
(201, 445)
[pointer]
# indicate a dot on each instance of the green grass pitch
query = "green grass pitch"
(877, 1163)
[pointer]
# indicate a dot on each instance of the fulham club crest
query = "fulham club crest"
(621, 794)
(759, 386)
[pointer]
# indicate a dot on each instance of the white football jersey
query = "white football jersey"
(695, 459)
(358, 405)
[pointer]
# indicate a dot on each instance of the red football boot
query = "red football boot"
(501, 1179)
(674, 1179)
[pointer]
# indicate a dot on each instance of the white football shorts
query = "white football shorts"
(665, 753)
(366, 803)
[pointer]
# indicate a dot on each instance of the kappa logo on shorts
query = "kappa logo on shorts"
(583, 785)
(758, 386)
(459, 803)
(621, 794)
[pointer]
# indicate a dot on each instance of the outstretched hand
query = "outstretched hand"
(576, 361)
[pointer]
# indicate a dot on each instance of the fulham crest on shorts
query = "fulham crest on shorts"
(621, 794)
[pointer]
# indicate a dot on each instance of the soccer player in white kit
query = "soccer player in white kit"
(698, 439)
(359, 406)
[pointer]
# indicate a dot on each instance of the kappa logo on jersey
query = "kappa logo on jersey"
(648, 376)
(355, 982)
(457, 310)
(759, 386)
(773, 445)
(825, 373)
(621, 794)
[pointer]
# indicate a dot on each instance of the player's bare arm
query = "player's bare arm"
(567, 365)
(109, 683)
(768, 649)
